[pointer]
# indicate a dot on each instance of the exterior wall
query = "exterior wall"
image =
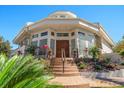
(106, 48)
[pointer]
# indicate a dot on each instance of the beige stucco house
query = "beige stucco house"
(63, 29)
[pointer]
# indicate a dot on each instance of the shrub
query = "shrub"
(122, 53)
(98, 67)
(23, 72)
(82, 66)
(94, 52)
(122, 63)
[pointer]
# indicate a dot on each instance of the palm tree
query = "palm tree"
(23, 72)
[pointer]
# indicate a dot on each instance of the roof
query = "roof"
(62, 14)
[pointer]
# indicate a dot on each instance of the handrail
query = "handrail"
(63, 56)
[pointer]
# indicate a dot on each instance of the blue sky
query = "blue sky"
(13, 18)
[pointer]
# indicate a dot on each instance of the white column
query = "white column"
(70, 44)
(49, 37)
(76, 40)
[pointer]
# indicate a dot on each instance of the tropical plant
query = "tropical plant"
(94, 52)
(23, 72)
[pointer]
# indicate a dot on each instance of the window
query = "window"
(43, 42)
(81, 35)
(34, 43)
(72, 34)
(62, 16)
(62, 34)
(90, 40)
(35, 36)
(52, 45)
(44, 33)
(52, 33)
(72, 45)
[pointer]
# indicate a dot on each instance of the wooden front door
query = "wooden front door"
(62, 44)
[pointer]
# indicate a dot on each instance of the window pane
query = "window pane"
(72, 45)
(81, 35)
(34, 43)
(52, 45)
(43, 42)
(35, 36)
(44, 33)
(90, 40)
(82, 44)
(62, 34)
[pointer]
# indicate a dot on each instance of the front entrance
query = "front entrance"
(62, 44)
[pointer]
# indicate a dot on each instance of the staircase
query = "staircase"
(69, 68)
(70, 78)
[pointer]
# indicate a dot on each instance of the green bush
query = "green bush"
(98, 67)
(122, 63)
(122, 53)
(23, 72)
(82, 66)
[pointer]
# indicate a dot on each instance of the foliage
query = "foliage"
(122, 63)
(23, 72)
(122, 53)
(98, 67)
(4, 46)
(82, 66)
(31, 49)
(94, 52)
(107, 60)
(119, 46)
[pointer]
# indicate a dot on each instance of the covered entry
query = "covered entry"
(62, 44)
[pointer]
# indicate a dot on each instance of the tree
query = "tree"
(122, 53)
(4, 46)
(119, 46)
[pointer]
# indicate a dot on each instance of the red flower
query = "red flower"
(45, 46)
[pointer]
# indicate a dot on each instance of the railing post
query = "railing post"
(63, 58)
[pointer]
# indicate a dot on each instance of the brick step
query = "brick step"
(67, 65)
(77, 86)
(66, 74)
(66, 70)
(64, 67)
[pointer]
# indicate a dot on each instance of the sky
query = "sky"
(13, 18)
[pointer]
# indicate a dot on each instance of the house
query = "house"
(64, 30)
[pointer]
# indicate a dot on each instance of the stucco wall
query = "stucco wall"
(106, 47)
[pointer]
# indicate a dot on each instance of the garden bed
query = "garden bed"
(105, 65)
